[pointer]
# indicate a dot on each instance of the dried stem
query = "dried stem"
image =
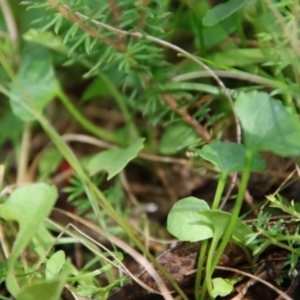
(115, 12)
(77, 19)
(187, 118)
(116, 16)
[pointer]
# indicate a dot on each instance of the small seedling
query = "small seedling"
(267, 126)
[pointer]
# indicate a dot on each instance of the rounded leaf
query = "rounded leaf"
(267, 124)
(185, 222)
(220, 220)
(229, 157)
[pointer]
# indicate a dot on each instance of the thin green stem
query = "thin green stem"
(287, 97)
(219, 191)
(277, 241)
(2, 172)
(236, 209)
(121, 101)
(207, 283)
(204, 290)
(84, 122)
(199, 26)
(293, 238)
(236, 74)
(92, 199)
(24, 153)
(200, 268)
(209, 267)
(238, 24)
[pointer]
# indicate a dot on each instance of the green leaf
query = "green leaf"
(71, 32)
(258, 163)
(229, 157)
(237, 57)
(185, 222)
(42, 241)
(38, 84)
(268, 125)
(52, 21)
(176, 138)
(221, 287)
(29, 205)
(192, 86)
(220, 220)
(49, 163)
(44, 289)
(49, 290)
(216, 34)
(114, 161)
(222, 11)
(54, 264)
(80, 39)
(87, 44)
(58, 24)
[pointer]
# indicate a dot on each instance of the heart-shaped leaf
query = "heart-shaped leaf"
(185, 222)
(114, 161)
(220, 220)
(267, 124)
(229, 157)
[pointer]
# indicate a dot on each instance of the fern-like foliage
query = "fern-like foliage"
(96, 32)
(118, 38)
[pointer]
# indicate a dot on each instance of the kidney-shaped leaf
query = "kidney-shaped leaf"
(267, 124)
(185, 222)
(114, 161)
(38, 83)
(220, 220)
(229, 157)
